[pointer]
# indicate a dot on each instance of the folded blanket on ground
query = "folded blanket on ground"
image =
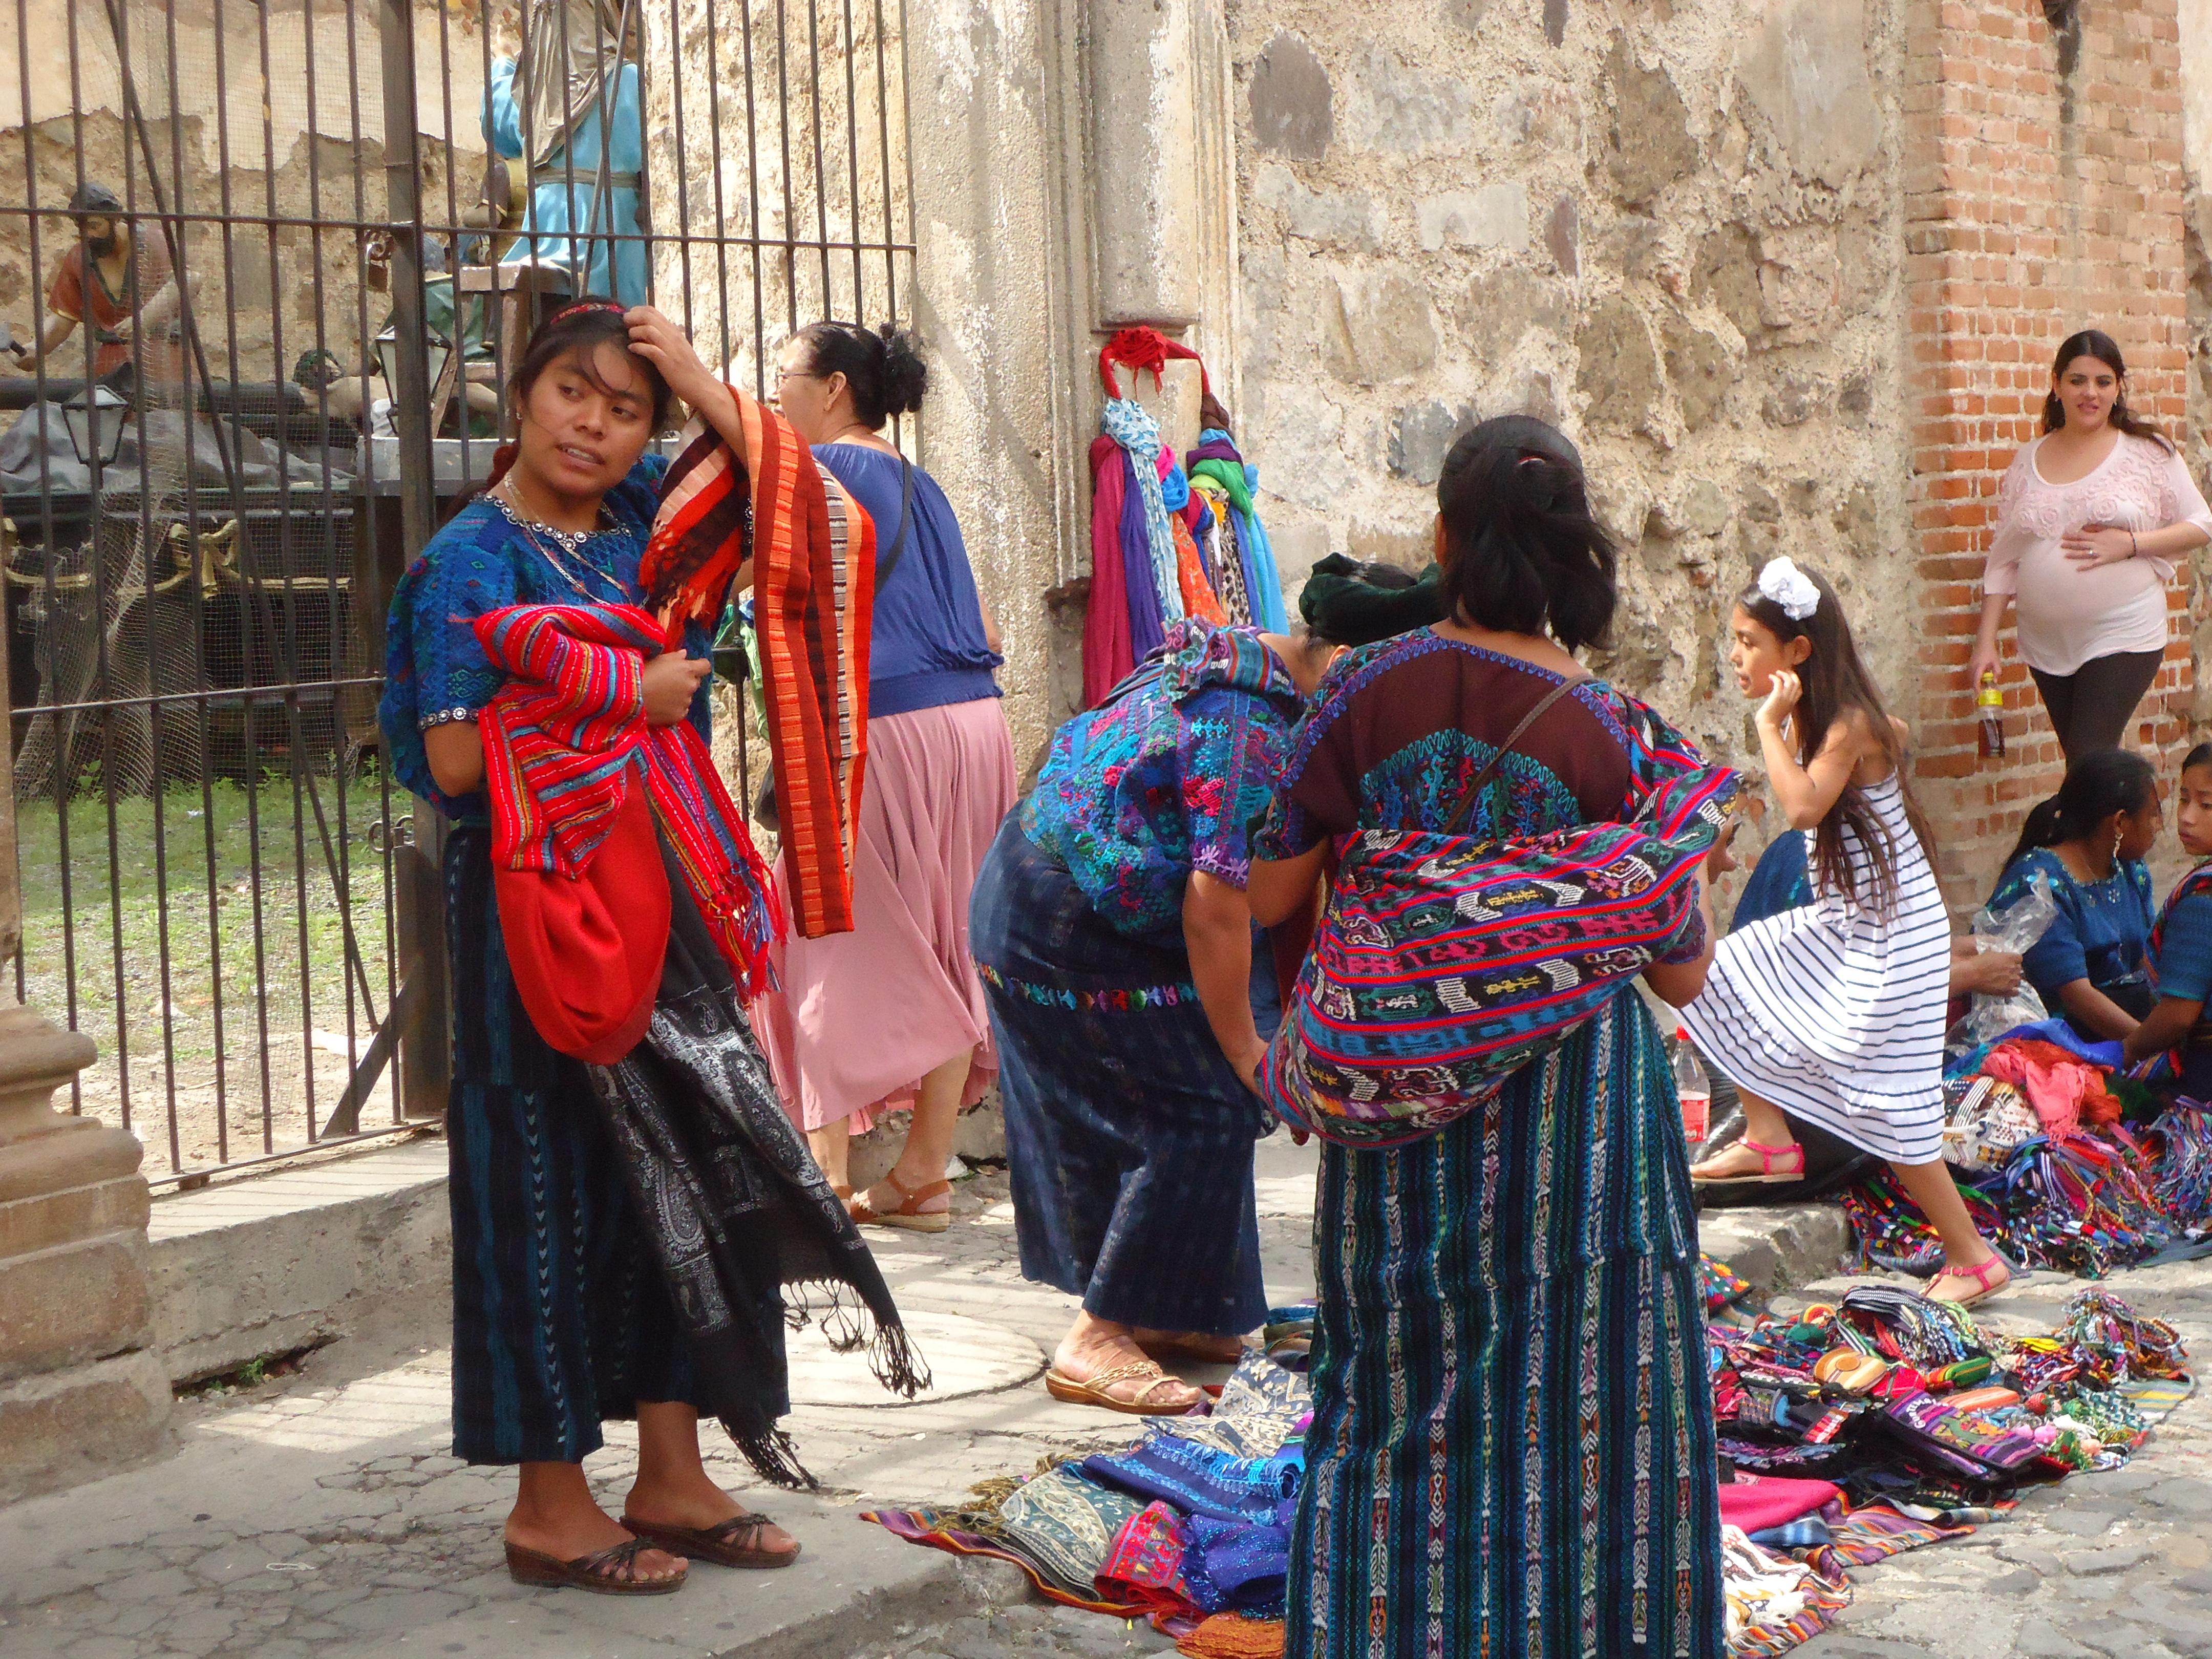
(1199, 1480)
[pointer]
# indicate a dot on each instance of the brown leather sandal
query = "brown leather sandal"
(732, 1543)
(1094, 1390)
(603, 1573)
(1189, 1348)
(906, 1216)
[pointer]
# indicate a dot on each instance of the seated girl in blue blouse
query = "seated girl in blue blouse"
(2089, 840)
(2181, 947)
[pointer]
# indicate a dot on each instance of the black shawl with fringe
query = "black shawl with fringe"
(735, 1206)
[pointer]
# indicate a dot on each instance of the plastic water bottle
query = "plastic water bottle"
(1697, 1093)
(1990, 701)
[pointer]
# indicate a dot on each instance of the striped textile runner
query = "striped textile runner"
(813, 553)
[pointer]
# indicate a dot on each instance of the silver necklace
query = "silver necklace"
(570, 542)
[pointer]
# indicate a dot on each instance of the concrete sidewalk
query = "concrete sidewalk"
(321, 1515)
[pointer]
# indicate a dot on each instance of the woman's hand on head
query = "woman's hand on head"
(670, 682)
(657, 339)
(2096, 545)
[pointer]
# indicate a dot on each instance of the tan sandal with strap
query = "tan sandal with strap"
(1092, 1390)
(907, 1215)
(732, 1543)
(608, 1572)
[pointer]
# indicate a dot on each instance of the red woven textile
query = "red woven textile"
(585, 951)
(814, 561)
(565, 742)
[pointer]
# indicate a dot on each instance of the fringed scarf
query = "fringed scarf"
(814, 553)
(1216, 458)
(1130, 426)
(566, 737)
(736, 1209)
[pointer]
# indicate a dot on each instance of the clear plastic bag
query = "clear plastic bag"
(2016, 929)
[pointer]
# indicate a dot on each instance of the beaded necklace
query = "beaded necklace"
(570, 542)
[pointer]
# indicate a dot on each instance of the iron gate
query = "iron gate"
(327, 225)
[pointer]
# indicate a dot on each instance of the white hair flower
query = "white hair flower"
(1789, 587)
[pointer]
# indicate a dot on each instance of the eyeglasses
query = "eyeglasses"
(783, 374)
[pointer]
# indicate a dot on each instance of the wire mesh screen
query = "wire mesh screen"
(264, 268)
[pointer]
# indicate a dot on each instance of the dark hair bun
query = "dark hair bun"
(882, 366)
(1527, 557)
(906, 377)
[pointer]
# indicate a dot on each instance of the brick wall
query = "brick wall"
(2044, 194)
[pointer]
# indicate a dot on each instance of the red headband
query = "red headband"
(586, 305)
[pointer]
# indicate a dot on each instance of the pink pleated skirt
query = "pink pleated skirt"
(864, 1016)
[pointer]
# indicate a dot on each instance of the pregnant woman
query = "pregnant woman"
(2091, 518)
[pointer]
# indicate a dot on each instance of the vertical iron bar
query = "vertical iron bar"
(853, 165)
(421, 931)
(821, 181)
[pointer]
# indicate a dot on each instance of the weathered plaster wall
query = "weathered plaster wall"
(997, 135)
(1673, 228)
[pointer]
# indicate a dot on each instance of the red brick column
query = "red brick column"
(2043, 195)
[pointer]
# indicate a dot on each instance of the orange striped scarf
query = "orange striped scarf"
(813, 548)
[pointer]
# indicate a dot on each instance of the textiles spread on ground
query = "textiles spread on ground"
(1848, 1434)
(2064, 1163)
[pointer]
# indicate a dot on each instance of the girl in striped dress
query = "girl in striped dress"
(1833, 1013)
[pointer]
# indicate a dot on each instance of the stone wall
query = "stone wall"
(2045, 195)
(1674, 229)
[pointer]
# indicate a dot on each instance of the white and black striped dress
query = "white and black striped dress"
(1834, 1013)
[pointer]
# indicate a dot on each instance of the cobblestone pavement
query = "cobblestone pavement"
(321, 1517)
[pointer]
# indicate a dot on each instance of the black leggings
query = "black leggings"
(2090, 708)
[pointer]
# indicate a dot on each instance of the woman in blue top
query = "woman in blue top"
(1112, 929)
(2090, 840)
(561, 1316)
(2181, 947)
(892, 1012)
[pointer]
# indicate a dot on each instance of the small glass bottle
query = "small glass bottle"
(1990, 702)
(1697, 1093)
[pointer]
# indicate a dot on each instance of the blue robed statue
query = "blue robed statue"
(569, 109)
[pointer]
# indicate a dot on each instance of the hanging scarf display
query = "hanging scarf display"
(1223, 561)
(1195, 586)
(1217, 457)
(1161, 549)
(1138, 434)
(814, 553)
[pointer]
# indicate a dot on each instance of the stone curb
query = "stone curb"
(1778, 1248)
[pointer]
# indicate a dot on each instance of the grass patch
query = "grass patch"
(198, 937)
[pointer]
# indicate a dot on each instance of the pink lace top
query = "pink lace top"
(2067, 614)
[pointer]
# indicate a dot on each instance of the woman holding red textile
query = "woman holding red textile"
(569, 1306)
(892, 1012)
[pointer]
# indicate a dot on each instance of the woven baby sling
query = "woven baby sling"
(1444, 962)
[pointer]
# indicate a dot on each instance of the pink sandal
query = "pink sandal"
(1768, 1174)
(1983, 1290)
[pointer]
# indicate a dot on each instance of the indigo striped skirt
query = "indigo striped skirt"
(1512, 1445)
(1128, 1137)
(562, 1316)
